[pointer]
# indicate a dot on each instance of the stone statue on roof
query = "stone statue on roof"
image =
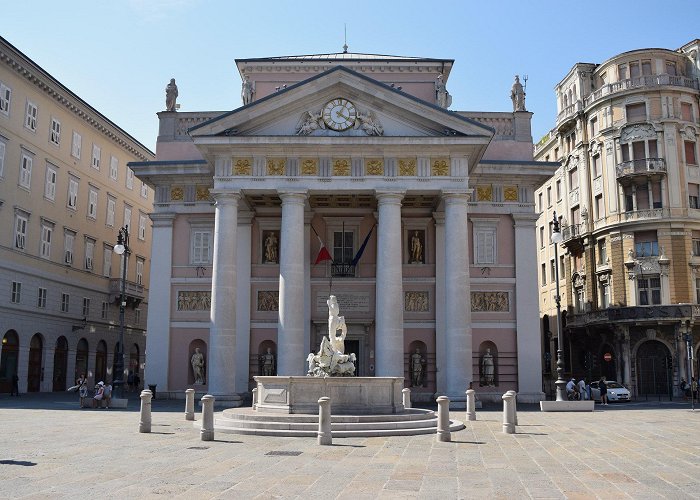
(517, 95)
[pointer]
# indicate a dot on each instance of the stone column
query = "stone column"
(389, 287)
(471, 405)
(443, 428)
(71, 377)
(440, 355)
(325, 433)
(290, 329)
(206, 433)
(189, 404)
(527, 309)
(243, 267)
(222, 333)
(307, 283)
(145, 415)
(458, 330)
(49, 351)
(159, 304)
(508, 424)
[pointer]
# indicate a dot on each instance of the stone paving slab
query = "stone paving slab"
(52, 449)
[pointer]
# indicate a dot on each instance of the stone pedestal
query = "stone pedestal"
(567, 405)
(471, 406)
(325, 436)
(189, 404)
(443, 428)
(145, 417)
(406, 397)
(207, 431)
(508, 424)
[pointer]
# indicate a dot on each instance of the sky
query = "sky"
(119, 55)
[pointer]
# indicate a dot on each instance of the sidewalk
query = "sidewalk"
(51, 448)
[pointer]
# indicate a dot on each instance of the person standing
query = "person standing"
(15, 385)
(693, 388)
(82, 389)
(603, 391)
(107, 395)
(582, 389)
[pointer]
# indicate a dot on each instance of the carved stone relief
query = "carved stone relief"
(510, 193)
(407, 166)
(440, 167)
(637, 132)
(268, 300)
(193, 301)
(415, 301)
(275, 166)
(490, 302)
(484, 193)
(341, 167)
(243, 166)
(177, 194)
(309, 166)
(202, 193)
(374, 166)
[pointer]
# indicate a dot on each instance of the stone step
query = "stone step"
(455, 425)
(249, 414)
(340, 426)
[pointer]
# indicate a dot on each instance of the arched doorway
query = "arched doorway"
(36, 348)
(60, 364)
(81, 359)
(654, 369)
(9, 360)
(101, 361)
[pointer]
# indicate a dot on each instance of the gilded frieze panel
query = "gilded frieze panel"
(202, 193)
(484, 193)
(374, 166)
(510, 193)
(275, 166)
(439, 167)
(177, 193)
(309, 166)
(407, 166)
(341, 167)
(243, 166)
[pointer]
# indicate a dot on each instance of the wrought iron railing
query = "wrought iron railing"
(343, 270)
(640, 81)
(641, 166)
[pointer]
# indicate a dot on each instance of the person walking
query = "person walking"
(107, 395)
(82, 389)
(582, 389)
(603, 391)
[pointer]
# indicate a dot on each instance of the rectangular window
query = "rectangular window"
(690, 158)
(542, 242)
(139, 271)
(113, 168)
(25, 171)
(573, 178)
(111, 204)
(599, 208)
(636, 112)
(20, 231)
(137, 316)
(72, 194)
(50, 186)
(485, 245)
(671, 68)
(549, 196)
(5, 99)
(622, 72)
(594, 127)
(65, 302)
(55, 135)
(697, 290)
(201, 247)
(687, 112)
(92, 204)
(343, 247)
(558, 190)
(129, 178)
(30, 116)
(89, 254)
(693, 192)
(539, 202)
(646, 68)
(142, 227)
(107, 262)
(77, 146)
(696, 247)
(68, 244)
(552, 271)
(543, 273)
(604, 295)
(41, 298)
(649, 288)
(634, 69)
(602, 252)
(144, 190)
(597, 169)
(646, 249)
(86, 307)
(46, 234)
(2, 158)
(127, 216)
(96, 156)
(16, 292)
(105, 310)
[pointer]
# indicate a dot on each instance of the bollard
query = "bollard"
(471, 405)
(145, 423)
(508, 425)
(255, 397)
(325, 434)
(443, 429)
(207, 431)
(189, 404)
(406, 393)
(514, 407)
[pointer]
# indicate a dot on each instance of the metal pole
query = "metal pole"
(560, 383)
(691, 370)
(123, 239)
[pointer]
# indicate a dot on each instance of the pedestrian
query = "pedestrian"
(108, 394)
(82, 389)
(15, 385)
(582, 389)
(603, 391)
(685, 389)
(99, 394)
(693, 388)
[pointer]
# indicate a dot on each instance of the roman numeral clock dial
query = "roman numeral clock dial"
(339, 114)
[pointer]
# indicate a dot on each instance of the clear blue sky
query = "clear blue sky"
(119, 55)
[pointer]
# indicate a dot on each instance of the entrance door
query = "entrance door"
(654, 369)
(101, 361)
(36, 347)
(60, 364)
(9, 360)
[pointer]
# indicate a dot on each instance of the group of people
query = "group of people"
(581, 391)
(102, 392)
(689, 389)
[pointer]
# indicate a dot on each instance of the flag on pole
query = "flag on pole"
(323, 253)
(359, 253)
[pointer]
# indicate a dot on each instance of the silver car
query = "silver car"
(616, 392)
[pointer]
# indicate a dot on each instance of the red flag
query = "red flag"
(322, 253)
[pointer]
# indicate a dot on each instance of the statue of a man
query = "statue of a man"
(417, 369)
(443, 97)
(268, 363)
(197, 361)
(335, 323)
(170, 95)
(487, 368)
(517, 95)
(247, 90)
(271, 248)
(416, 249)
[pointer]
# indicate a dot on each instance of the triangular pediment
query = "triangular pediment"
(342, 103)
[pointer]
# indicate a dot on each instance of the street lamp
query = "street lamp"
(121, 248)
(689, 349)
(560, 383)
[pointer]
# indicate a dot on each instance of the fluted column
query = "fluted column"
(389, 287)
(441, 381)
(290, 329)
(222, 333)
(458, 330)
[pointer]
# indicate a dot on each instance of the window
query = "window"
(687, 112)
(68, 244)
(671, 68)
(89, 254)
(539, 201)
(580, 300)
(30, 116)
(25, 171)
(96, 156)
(622, 72)
(20, 231)
(599, 208)
(113, 168)
(693, 190)
(596, 166)
(552, 271)
(105, 310)
(142, 227)
(696, 247)
(77, 145)
(649, 289)
(594, 127)
(343, 247)
(604, 294)
(636, 112)
(139, 271)
(107, 262)
(485, 245)
(144, 190)
(201, 247)
(110, 212)
(646, 68)
(129, 178)
(127, 216)
(50, 185)
(543, 273)
(72, 194)
(86, 307)
(16, 292)
(558, 190)
(92, 204)
(2, 158)
(602, 252)
(690, 158)
(697, 290)
(549, 196)
(5, 99)
(646, 248)
(45, 248)
(137, 316)
(55, 135)
(562, 269)
(634, 69)
(542, 237)
(41, 298)
(573, 178)
(65, 302)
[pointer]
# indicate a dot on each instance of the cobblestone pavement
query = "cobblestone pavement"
(49, 448)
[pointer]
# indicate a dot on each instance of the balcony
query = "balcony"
(342, 270)
(572, 236)
(644, 167)
(134, 292)
(638, 82)
(569, 113)
(647, 214)
(634, 315)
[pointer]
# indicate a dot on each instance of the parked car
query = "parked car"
(616, 392)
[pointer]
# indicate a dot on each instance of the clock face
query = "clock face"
(339, 114)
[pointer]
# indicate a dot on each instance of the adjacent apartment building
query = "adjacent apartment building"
(65, 192)
(626, 196)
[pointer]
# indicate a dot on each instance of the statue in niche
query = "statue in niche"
(443, 97)
(417, 369)
(267, 362)
(170, 95)
(487, 368)
(416, 249)
(271, 248)
(517, 95)
(247, 90)
(331, 360)
(197, 362)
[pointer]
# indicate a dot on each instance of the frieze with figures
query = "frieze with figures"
(490, 302)
(415, 302)
(193, 301)
(268, 300)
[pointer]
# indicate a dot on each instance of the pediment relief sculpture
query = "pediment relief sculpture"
(637, 132)
(688, 133)
(339, 115)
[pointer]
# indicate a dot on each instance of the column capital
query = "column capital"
(295, 196)
(225, 197)
(245, 217)
(392, 197)
(162, 219)
(439, 218)
(456, 196)
(524, 219)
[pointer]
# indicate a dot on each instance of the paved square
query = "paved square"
(52, 449)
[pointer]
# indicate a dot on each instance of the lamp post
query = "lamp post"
(560, 383)
(689, 350)
(121, 248)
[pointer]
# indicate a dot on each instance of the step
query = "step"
(340, 426)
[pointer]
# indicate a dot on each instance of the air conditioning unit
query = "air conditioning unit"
(19, 241)
(88, 263)
(68, 257)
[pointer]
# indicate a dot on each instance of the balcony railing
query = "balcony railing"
(343, 270)
(134, 291)
(570, 232)
(640, 82)
(641, 166)
(569, 111)
(649, 213)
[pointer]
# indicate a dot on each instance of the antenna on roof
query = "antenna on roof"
(345, 46)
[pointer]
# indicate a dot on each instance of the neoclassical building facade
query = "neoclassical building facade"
(627, 199)
(418, 207)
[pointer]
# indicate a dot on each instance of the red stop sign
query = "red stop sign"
(607, 356)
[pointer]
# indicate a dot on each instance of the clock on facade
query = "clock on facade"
(339, 114)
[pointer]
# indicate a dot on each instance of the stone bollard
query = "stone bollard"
(471, 405)
(255, 397)
(189, 404)
(443, 429)
(514, 407)
(145, 423)
(508, 425)
(207, 431)
(406, 393)
(325, 434)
